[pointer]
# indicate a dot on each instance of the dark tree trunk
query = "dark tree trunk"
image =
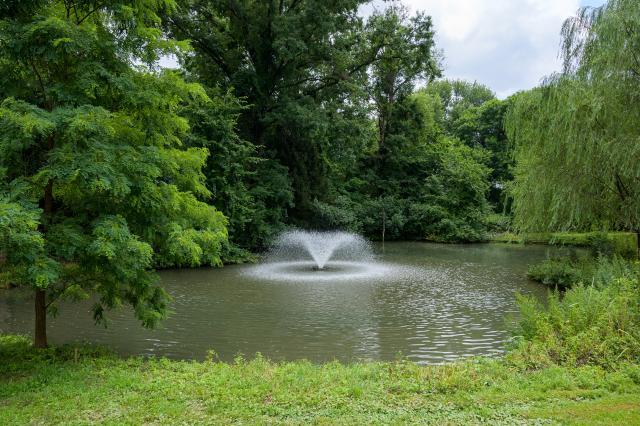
(40, 339)
(40, 336)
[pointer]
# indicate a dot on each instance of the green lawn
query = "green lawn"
(81, 386)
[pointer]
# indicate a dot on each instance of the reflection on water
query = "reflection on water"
(458, 300)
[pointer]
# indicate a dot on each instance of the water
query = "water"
(319, 247)
(299, 256)
(436, 303)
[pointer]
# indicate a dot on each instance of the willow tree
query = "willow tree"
(578, 136)
(95, 189)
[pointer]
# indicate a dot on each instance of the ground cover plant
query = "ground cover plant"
(87, 385)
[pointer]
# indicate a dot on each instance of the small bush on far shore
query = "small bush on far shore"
(565, 272)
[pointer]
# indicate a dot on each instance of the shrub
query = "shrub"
(596, 325)
(566, 271)
(497, 223)
(556, 272)
(601, 245)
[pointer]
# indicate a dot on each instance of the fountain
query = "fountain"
(319, 256)
(322, 246)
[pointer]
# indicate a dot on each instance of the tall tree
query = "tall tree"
(407, 56)
(95, 188)
(577, 151)
(456, 97)
(290, 60)
(251, 191)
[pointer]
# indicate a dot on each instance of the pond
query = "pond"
(452, 301)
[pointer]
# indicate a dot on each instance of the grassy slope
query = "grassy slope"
(62, 386)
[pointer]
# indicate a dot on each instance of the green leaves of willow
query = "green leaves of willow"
(577, 137)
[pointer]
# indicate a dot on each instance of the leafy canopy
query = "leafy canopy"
(577, 150)
(96, 187)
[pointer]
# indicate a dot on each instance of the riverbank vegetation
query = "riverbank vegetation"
(621, 243)
(565, 271)
(87, 385)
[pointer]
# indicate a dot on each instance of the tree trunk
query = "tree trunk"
(40, 339)
(384, 225)
(40, 336)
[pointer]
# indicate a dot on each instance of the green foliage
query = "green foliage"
(566, 271)
(87, 385)
(299, 66)
(558, 272)
(497, 224)
(407, 56)
(595, 325)
(483, 126)
(455, 98)
(420, 184)
(96, 187)
(253, 192)
(335, 136)
(600, 243)
(613, 243)
(576, 137)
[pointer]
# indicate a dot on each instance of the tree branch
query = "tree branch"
(91, 12)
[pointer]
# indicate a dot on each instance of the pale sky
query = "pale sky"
(508, 45)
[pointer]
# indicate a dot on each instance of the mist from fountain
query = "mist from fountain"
(305, 256)
(322, 246)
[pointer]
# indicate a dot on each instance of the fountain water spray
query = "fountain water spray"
(320, 256)
(322, 246)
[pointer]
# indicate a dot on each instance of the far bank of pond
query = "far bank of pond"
(451, 302)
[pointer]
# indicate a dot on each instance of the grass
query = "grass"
(623, 243)
(88, 385)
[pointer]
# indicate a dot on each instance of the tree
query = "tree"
(432, 186)
(253, 192)
(298, 65)
(456, 97)
(483, 127)
(407, 56)
(415, 181)
(95, 187)
(576, 137)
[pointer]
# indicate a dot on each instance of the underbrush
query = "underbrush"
(607, 244)
(586, 325)
(595, 321)
(564, 272)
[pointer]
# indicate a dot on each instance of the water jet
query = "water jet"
(319, 256)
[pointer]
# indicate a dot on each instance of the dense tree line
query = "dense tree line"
(283, 113)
